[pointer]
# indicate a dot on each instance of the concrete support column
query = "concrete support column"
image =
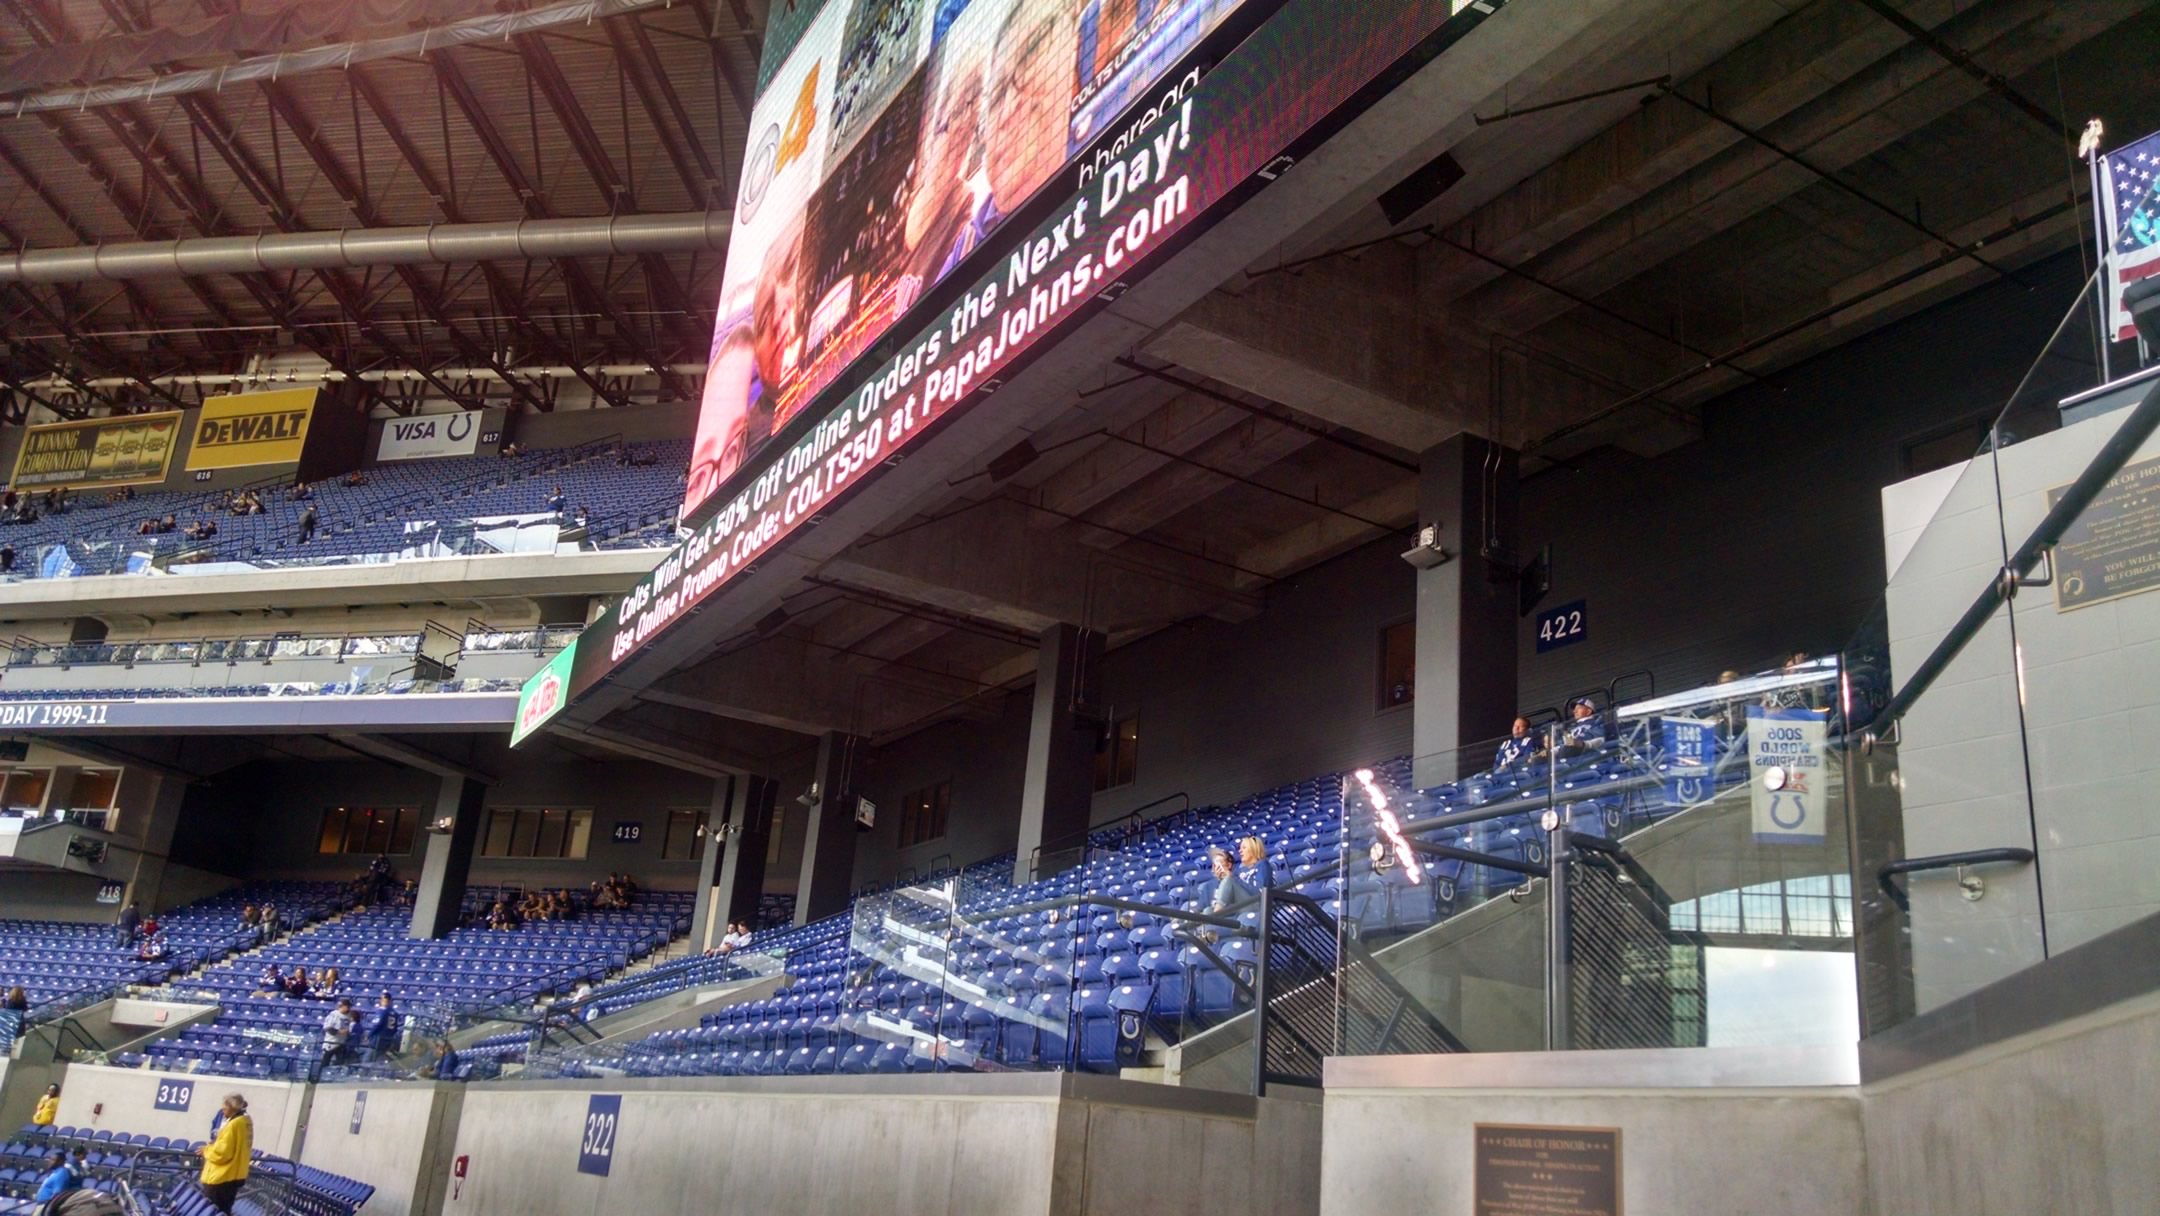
(448, 860)
(742, 867)
(160, 818)
(1057, 793)
(828, 860)
(1467, 608)
(703, 932)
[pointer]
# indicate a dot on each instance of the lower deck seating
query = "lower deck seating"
(157, 1171)
(272, 1036)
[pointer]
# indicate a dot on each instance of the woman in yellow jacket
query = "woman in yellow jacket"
(48, 1107)
(225, 1159)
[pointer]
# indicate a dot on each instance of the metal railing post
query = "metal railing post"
(1558, 963)
(1260, 995)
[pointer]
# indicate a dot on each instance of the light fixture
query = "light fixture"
(1427, 553)
(811, 796)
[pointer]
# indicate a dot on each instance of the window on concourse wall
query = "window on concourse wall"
(24, 789)
(368, 829)
(1117, 761)
(684, 841)
(546, 833)
(1398, 665)
(923, 813)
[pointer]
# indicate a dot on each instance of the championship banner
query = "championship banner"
(251, 429)
(1690, 749)
(1788, 774)
(430, 436)
(129, 451)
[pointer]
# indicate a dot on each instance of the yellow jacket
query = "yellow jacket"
(48, 1109)
(225, 1159)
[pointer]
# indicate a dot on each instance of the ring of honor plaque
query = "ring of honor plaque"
(1547, 1171)
(2113, 549)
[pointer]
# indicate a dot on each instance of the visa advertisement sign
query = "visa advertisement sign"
(430, 436)
(544, 695)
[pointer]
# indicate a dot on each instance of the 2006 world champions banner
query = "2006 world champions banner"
(1788, 774)
(989, 171)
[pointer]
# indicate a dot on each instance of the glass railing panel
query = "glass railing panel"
(1952, 774)
(2087, 668)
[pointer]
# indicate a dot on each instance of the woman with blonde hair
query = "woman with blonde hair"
(1254, 872)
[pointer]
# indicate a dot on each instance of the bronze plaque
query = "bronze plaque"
(1547, 1171)
(2113, 549)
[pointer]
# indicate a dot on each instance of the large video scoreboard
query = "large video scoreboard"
(936, 188)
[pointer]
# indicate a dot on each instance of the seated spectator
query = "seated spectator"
(296, 984)
(736, 938)
(1585, 731)
(337, 1029)
(566, 908)
(48, 1107)
(1518, 747)
(60, 1178)
(167, 524)
(151, 949)
(444, 1065)
(270, 980)
(18, 1001)
(1226, 891)
(512, 449)
(1255, 872)
(271, 921)
(327, 981)
(356, 478)
(501, 917)
(302, 492)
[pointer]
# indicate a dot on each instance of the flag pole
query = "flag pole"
(2104, 281)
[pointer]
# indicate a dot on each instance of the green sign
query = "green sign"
(544, 695)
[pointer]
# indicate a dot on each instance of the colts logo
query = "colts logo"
(1128, 1026)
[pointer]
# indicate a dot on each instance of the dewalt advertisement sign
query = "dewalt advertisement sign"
(251, 428)
(126, 451)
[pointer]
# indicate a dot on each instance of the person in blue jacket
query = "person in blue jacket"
(1255, 872)
(1517, 748)
(60, 1179)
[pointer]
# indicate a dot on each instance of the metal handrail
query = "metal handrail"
(1083, 837)
(1941, 861)
(2143, 420)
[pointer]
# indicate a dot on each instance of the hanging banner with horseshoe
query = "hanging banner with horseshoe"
(1788, 777)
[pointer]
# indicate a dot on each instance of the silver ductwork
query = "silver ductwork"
(352, 247)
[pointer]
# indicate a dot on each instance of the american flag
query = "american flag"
(2130, 195)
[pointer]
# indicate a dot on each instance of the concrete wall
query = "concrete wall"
(402, 1145)
(637, 423)
(1790, 1144)
(2025, 728)
(129, 1097)
(38, 893)
(264, 818)
(1763, 537)
(1001, 1146)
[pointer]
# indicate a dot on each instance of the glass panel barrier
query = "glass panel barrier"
(1996, 775)
(1701, 894)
